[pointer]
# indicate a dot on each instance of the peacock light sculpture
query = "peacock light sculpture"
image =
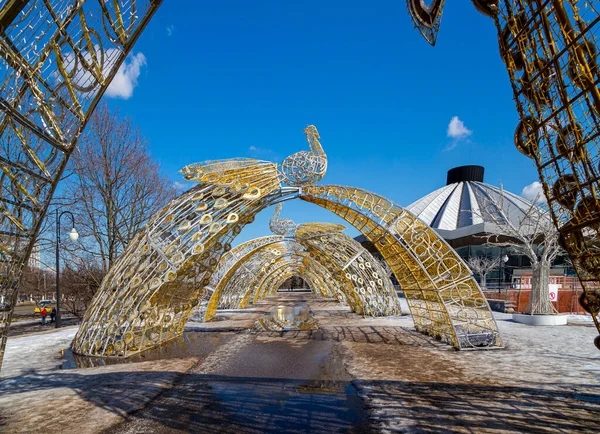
(304, 168)
(279, 226)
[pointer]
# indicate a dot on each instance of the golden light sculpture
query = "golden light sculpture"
(346, 259)
(353, 275)
(550, 49)
(444, 298)
(58, 58)
(147, 297)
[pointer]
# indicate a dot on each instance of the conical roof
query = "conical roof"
(467, 206)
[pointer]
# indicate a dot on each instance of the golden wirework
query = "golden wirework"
(354, 276)
(174, 262)
(58, 58)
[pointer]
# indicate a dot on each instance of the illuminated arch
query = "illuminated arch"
(52, 87)
(148, 296)
(443, 296)
(370, 283)
(551, 56)
(349, 266)
(319, 276)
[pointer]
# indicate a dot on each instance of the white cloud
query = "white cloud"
(534, 192)
(180, 186)
(84, 80)
(457, 129)
(262, 153)
(170, 29)
(451, 146)
(127, 76)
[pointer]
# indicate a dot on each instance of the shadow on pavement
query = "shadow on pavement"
(213, 403)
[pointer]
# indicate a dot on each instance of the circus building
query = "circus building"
(463, 213)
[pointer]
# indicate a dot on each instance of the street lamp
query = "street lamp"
(504, 260)
(74, 236)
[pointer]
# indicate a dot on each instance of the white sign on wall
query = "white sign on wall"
(553, 288)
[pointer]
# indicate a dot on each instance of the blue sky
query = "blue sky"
(234, 78)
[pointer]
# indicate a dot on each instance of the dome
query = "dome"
(467, 206)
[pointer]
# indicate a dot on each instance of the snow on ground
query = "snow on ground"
(34, 392)
(36, 353)
(546, 379)
(558, 367)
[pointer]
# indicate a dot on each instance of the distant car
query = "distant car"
(48, 304)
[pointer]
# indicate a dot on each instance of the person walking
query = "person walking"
(44, 315)
(53, 315)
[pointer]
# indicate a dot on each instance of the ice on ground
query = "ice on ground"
(40, 352)
(83, 400)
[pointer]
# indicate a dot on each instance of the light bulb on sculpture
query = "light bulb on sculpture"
(73, 235)
(504, 258)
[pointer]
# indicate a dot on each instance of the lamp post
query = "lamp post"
(503, 260)
(74, 236)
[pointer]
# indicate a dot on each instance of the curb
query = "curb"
(45, 332)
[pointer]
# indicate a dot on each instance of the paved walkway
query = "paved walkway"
(262, 383)
(353, 374)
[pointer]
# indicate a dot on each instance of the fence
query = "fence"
(568, 297)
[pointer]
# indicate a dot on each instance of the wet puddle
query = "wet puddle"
(190, 344)
(286, 318)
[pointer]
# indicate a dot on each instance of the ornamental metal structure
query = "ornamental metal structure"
(60, 55)
(334, 264)
(58, 58)
(550, 48)
(182, 254)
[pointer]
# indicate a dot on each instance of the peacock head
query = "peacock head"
(305, 167)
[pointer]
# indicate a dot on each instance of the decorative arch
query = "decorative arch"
(444, 298)
(321, 277)
(58, 60)
(354, 274)
(52, 87)
(147, 297)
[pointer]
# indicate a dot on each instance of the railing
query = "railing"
(517, 298)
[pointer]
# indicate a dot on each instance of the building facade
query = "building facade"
(463, 212)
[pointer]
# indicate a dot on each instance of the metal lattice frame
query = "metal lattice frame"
(370, 283)
(321, 280)
(58, 59)
(229, 264)
(148, 295)
(353, 274)
(550, 48)
(444, 298)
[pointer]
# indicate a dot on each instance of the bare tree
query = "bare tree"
(531, 234)
(482, 266)
(37, 283)
(113, 187)
(79, 283)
